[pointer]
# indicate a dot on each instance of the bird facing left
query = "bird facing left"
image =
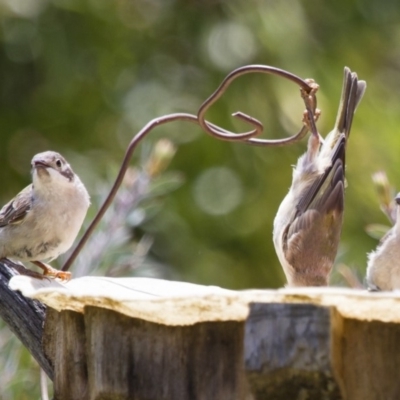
(42, 221)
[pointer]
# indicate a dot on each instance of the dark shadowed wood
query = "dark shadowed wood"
(64, 344)
(288, 352)
(25, 317)
(133, 359)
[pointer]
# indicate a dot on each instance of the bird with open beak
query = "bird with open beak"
(43, 220)
(308, 224)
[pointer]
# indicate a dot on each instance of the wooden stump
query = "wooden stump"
(158, 340)
(106, 355)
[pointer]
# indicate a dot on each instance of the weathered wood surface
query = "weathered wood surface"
(64, 343)
(252, 345)
(288, 351)
(201, 361)
(24, 316)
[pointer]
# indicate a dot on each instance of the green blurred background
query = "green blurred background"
(83, 76)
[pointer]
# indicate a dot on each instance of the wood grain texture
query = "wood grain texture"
(370, 360)
(288, 352)
(64, 342)
(133, 359)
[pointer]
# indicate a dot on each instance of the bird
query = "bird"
(42, 221)
(383, 269)
(308, 223)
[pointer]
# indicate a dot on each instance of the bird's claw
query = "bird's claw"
(64, 276)
(50, 272)
(306, 118)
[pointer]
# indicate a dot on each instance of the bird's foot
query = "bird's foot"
(306, 118)
(50, 272)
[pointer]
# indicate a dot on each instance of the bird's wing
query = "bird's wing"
(317, 196)
(16, 210)
(316, 224)
(327, 202)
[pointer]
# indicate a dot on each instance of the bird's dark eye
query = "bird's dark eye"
(58, 163)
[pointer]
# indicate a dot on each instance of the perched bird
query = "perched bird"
(43, 220)
(308, 224)
(383, 270)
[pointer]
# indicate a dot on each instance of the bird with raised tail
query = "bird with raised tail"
(383, 270)
(43, 220)
(309, 221)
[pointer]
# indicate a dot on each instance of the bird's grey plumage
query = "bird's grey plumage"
(383, 270)
(308, 224)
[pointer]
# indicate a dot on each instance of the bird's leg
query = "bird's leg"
(49, 271)
(311, 113)
(311, 124)
(315, 140)
(22, 270)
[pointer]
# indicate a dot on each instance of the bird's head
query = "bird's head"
(51, 169)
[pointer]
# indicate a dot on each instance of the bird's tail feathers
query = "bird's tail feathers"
(352, 93)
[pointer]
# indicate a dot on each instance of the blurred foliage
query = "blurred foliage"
(82, 77)
(119, 246)
(386, 194)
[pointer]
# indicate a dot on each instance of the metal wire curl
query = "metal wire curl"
(308, 89)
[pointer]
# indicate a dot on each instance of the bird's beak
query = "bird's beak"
(41, 167)
(40, 164)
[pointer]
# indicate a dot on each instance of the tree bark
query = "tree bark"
(25, 317)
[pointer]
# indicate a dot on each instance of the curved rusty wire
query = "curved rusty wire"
(308, 89)
(125, 164)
